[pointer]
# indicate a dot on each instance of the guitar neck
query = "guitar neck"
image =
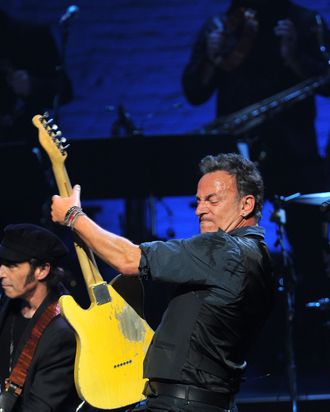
(85, 255)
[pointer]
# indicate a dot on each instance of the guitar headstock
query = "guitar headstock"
(50, 138)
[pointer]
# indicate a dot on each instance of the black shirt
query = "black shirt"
(225, 292)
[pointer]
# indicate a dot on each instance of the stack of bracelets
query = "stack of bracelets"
(72, 215)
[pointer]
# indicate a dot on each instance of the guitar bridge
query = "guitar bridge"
(101, 293)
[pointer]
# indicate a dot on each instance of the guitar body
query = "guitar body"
(112, 340)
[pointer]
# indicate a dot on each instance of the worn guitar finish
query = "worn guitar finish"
(112, 339)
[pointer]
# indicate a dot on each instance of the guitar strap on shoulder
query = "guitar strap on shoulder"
(16, 380)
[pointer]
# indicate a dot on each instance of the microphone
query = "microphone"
(325, 206)
(70, 13)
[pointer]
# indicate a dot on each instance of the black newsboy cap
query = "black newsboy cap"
(25, 241)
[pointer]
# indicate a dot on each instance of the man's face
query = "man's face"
(218, 203)
(17, 279)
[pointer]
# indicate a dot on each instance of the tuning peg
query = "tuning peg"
(54, 127)
(63, 139)
(58, 134)
(50, 121)
(65, 147)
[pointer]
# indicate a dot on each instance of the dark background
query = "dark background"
(132, 52)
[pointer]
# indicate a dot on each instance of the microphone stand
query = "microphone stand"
(287, 286)
(61, 68)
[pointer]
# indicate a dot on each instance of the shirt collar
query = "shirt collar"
(256, 231)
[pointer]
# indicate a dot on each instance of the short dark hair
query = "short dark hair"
(248, 177)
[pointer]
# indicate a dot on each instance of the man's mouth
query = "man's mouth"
(204, 220)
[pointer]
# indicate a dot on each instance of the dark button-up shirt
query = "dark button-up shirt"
(234, 271)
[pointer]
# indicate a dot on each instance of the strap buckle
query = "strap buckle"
(12, 388)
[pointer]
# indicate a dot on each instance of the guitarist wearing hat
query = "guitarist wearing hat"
(37, 345)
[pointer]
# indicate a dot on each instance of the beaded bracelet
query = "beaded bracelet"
(71, 216)
(75, 217)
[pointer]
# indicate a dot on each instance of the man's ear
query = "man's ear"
(247, 205)
(42, 271)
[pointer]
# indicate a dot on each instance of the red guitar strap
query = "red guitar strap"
(16, 380)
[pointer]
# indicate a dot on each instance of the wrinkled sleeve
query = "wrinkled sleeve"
(197, 260)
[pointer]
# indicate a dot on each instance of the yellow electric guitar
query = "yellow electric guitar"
(112, 339)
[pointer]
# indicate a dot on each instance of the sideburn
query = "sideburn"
(30, 277)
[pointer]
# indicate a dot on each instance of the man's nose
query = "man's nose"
(2, 271)
(201, 208)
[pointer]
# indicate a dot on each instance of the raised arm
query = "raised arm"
(116, 251)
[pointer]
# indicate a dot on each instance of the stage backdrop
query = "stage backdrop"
(132, 53)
